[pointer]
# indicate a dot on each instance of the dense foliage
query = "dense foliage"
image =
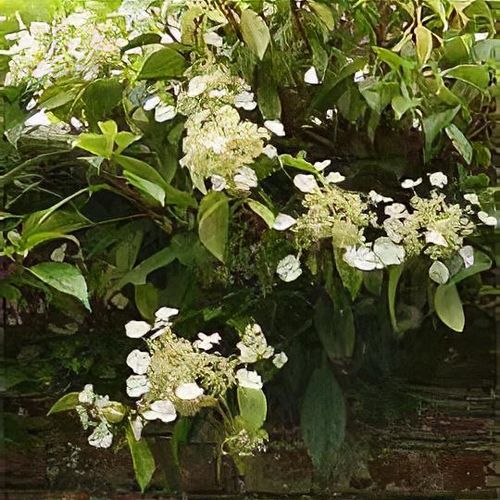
(319, 169)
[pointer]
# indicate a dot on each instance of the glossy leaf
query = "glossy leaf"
(142, 459)
(213, 223)
(253, 407)
(255, 32)
(263, 212)
(462, 145)
(65, 403)
(164, 63)
(449, 308)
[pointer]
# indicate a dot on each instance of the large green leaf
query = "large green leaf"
(449, 307)
(434, 124)
(263, 212)
(473, 74)
(423, 38)
(65, 403)
(253, 407)
(63, 277)
(142, 459)
(213, 222)
(101, 97)
(164, 63)
(352, 278)
(481, 263)
(323, 417)
(255, 32)
(462, 145)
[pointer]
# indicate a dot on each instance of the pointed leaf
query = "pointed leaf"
(213, 223)
(253, 407)
(142, 459)
(66, 403)
(255, 32)
(449, 307)
(164, 63)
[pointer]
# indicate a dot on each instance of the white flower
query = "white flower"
(489, 220)
(334, 177)
(378, 198)
(362, 258)
(280, 359)
(137, 385)
(247, 354)
(249, 379)
(438, 179)
(359, 76)
(212, 38)
(245, 179)
(439, 273)
(151, 103)
(218, 182)
(164, 112)
(283, 222)
(139, 361)
(39, 119)
(393, 227)
(206, 342)
(196, 86)
(218, 144)
(305, 183)
(396, 211)
(311, 77)
(436, 238)
(270, 151)
(189, 391)
(245, 100)
(321, 165)
(76, 123)
(467, 254)
(102, 437)
(410, 183)
(275, 126)
(388, 252)
(59, 253)
(137, 424)
(165, 313)
(87, 395)
(162, 409)
(289, 268)
(471, 198)
(480, 36)
(137, 329)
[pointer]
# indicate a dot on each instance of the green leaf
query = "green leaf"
(213, 223)
(255, 32)
(297, 163)
(401, 104)
(180, 435)
(68, 402)
(9, 292)
(253, 408)
(434, 124)
(323, 12)
(423, 39)
(394, 275)
(148, 188)
(449, 307)
(63, 277)
(392, 59)
(267, 93)
(323, 418)
(352, 278)
(142, 459)
(263, 212)
(474, 74)
(164, 63)
(101, 97)
(462, 145)
(147, 300)
(481, 263)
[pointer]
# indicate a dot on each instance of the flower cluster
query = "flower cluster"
(219, 144)
(99, 413)
(175, 376)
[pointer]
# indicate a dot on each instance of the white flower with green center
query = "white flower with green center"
(189, 391)
(289, 269)
(439, 273)
(163, 410)
(249, 379)
(137, 385)
(487, 219)
(245, 179)
(388, 252)
(467, 254)
(305, 183)
(137, 329)
(139, 361)
(206, 342)
(102, 437)
(283, 222)
(438, 179)
(280, 360)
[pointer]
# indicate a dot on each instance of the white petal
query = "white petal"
(334, 177)
(245, 179)
(165, 313)
(245, 100)
(472, 198)
(439, 273)
(378, 198)
(436, 238)
(489, 220)
(396, 210)
(163, 410)
(311, 76)
(189, 391)
(321, 165)
(249, 379)
(467, 254)
(139, 361)
(38, 119)
(137, 424)
(164, 113)
(151, 103)
(218, 182)
(410, 183)
(137, 385)
(87, 395)
(283, 222)
(270, 151)
(275, 126)
(213, 38)
(438, 179)
(137, 329)
(196, 86)
(289, 269)
(102, 437)
(280, 360)
(305, 183)
(388, 252)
